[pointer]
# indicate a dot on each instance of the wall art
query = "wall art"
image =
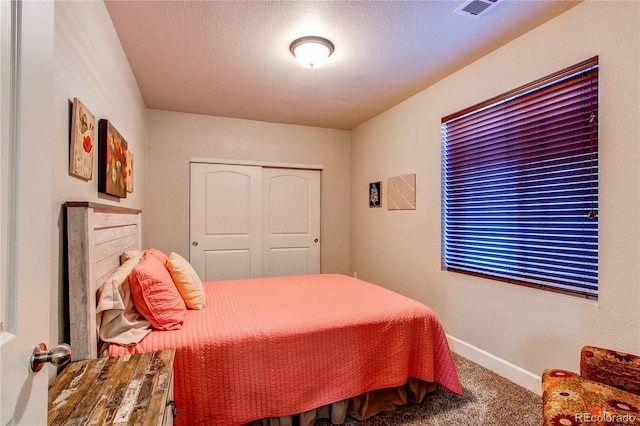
(81, 142)
(375, 194)
(112, 161)
(129, 171)
(401, 192)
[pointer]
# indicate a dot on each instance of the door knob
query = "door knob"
(315, 241)
(195, 244)
(58, 356)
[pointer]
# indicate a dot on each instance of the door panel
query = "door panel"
(25, 195)
(288, 261)
(291, 222)
(225, 221)
(288, 202)
(227, 203)
(227, 264)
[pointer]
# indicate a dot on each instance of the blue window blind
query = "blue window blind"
(520, 184)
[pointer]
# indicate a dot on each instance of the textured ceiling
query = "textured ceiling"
(232, 59)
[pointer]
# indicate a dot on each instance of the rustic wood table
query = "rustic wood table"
(133, 389)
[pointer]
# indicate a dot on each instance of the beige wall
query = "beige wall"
(506, 327)
(90, 65)
(175, 138)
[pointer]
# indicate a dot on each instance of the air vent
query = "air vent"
(475, 8)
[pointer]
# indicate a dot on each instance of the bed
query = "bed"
(269, 351)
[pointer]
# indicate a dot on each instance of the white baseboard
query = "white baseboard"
(499, 366)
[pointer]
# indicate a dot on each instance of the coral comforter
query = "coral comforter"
(278, 346)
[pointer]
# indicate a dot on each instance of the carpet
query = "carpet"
(488, 400)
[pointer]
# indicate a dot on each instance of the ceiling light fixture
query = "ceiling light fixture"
(311, 51)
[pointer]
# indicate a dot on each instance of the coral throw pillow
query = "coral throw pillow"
(155, 295)
(187, 280)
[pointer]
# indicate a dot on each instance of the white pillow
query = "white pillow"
(117, 319)
(130, 254)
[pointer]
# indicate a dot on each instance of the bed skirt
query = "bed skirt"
(360, 407)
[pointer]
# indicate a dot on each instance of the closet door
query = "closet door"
(291, 222)
(226, 221)
(251, 222)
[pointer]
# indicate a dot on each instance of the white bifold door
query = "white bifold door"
(253, 221)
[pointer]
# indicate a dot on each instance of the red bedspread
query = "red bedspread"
(279, 346)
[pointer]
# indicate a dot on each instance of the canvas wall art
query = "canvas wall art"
(401, 192)
(112, 161)
(82, 139)
(129, 171)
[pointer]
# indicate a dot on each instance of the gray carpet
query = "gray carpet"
(488, 400)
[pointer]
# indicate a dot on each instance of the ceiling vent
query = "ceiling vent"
(475, 8)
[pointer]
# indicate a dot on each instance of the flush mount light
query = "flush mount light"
(311, 51)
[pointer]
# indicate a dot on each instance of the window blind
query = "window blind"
(520, 184)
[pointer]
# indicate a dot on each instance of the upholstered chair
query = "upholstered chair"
(606, 392)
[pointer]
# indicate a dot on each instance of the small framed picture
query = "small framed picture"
(375, 194)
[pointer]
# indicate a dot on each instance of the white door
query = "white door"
(26, 215)
(251, 222)
(225, 221)
(291, 222)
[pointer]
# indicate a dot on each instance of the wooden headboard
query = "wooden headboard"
(97, 234)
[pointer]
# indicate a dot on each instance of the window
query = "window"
(520, 184)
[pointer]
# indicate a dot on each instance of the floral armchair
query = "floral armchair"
(607, 391)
